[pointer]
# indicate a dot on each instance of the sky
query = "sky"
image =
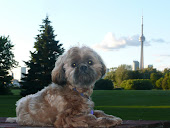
(111, 27)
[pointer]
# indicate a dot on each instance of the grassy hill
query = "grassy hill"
(127, 104)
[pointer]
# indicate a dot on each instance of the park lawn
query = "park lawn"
(16, 91)
(134, 104)
(127, 104)
(7, 104)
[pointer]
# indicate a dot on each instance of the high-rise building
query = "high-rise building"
(150, 66)
(142, 39)
(23, 70)
(18, 73)
(135, 65)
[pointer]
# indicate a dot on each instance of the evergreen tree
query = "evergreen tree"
(47, 50)
(6, 63)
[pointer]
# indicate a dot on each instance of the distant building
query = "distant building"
(23, 70)
(150, 66)
(135, 65)
(18, 73)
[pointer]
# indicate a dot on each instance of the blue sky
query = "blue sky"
(111, 27)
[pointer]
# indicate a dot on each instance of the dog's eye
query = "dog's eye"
(73, 65)
(90, 62)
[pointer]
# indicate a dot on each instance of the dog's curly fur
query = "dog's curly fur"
(61, 103)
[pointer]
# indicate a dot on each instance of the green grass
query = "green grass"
(127, 104)
(133, 104)
(16, 91)
(7, 104)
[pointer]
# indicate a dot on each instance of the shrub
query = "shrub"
(103, 84)
(137, 84)
(159, 83)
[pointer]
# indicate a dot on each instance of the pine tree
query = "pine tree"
(6, 63)
(42, 61)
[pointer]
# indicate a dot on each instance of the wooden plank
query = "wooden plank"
(126, 124)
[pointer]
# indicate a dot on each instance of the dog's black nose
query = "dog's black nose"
(83, 68)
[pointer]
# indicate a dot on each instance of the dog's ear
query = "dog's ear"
(58, 73)
(103, 69)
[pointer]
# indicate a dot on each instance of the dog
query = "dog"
(66, 102)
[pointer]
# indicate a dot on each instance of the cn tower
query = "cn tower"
(141, 39)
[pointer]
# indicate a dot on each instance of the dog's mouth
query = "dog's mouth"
(84, 76)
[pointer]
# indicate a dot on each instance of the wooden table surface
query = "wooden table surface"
(126, 124)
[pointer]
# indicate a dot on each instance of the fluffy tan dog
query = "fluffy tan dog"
(66, 102)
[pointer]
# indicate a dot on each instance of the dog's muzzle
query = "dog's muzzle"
(83, 68)
(84, 75)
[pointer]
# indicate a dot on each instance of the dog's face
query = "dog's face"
(81, 67)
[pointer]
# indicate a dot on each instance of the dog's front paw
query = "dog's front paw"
(118, 120)
(108, 122)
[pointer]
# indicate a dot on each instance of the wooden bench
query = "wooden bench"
(126, 124)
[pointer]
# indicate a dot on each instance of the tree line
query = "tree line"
(124, 75)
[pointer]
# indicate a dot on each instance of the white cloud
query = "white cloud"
(110, 42)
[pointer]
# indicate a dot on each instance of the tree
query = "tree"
(7, 62)
(166, 81)
(110, 76)
(136, 75)
(122, 73)
(166, 70)
(154, 77)
(145, 73)
(159, 83)
(42, 61)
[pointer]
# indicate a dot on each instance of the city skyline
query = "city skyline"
(112, 28)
